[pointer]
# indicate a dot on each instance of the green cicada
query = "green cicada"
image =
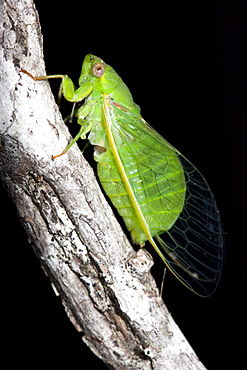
(161, 196)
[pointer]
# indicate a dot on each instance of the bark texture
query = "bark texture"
(106, 287)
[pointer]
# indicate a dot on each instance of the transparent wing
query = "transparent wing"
(193, 247)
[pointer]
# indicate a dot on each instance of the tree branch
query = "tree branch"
(106, 287)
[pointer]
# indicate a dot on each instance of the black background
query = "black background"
(185, 65)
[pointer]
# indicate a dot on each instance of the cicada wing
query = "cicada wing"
(193, 246)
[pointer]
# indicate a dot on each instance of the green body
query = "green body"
(159, 194)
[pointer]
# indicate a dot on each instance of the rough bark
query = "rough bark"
(106, 287)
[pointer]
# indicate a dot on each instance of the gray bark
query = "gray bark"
(106, 287)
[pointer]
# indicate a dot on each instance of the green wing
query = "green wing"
(162, 196)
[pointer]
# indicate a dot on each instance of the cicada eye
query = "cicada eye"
(98, 69)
